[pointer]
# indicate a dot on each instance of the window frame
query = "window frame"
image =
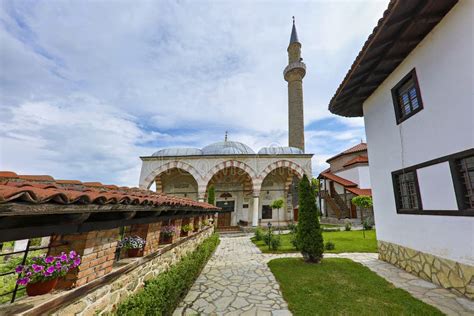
(264, 207)
(452, 159)
(395, 98)
(395, 177)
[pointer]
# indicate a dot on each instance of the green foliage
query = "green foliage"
(315, 186)
(277, 204)
(211, 195)
(339, 286)
(362, 201)
(267, 237)
(161, 295)
(187, 228)
(367, 225)
(259, 232)
(348, 226)
(275, 242)
(309, 235)
(329, 245)
(292, 228)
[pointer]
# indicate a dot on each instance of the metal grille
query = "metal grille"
(407, 191)
(407, 98)
(466, 168)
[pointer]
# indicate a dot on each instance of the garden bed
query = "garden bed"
(342, 287)
(345, 241)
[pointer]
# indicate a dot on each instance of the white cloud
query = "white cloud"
(100, 83)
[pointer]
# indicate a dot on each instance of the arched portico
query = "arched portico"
(179, 165)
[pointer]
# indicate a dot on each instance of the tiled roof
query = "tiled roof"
(34, 189)
(354, 149)
(358, 191)
(358, 159)
(341, 181)
(403, 26)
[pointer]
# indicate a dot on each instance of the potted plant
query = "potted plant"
(40, 274)
(166, 234)
(205, 222)
(185, 229)
(134, 246)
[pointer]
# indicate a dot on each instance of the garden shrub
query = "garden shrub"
(309, 235)
(367, 224)
(161, 295)
(275, 242)
(292, 227)
(259, 232)
(348, 227)
(330, 245)
(267, 237)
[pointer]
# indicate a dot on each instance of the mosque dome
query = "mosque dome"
(183, 151)
(277, 150)
(227, 148)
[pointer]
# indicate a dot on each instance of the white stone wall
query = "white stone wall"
(444, 66)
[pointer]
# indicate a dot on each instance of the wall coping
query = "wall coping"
(53, 301)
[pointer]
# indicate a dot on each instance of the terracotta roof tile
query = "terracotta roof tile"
(358, 159)
(341, 181)
(358, 191)
(44, 189)
(354, 149)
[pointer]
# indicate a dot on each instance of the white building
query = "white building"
(413, 83)
(245, 182)
(347, 176)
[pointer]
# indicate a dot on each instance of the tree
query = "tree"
(364, 202)
(309, 237)
(315, 185)
(278, 204)
(211, 195)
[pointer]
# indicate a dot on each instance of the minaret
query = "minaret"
(294, 73)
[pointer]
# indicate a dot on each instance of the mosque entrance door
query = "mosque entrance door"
(224, 218)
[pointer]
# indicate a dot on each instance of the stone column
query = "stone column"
(97, 251)
(255, 211)
(177, 225)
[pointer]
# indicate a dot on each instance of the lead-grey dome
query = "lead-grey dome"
(274, 150)
(227, 148)
(184, 151)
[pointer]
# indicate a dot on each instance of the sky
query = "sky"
(87, 87)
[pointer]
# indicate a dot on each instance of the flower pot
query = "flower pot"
(133, 253)
(40, 288)
(166, 239)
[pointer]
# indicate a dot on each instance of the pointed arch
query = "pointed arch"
(148, 181)
(231, 164)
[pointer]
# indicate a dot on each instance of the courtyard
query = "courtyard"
(238, 280)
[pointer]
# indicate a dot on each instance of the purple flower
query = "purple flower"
(72, 254)
(28, 274)
(63, 257)
(19, 269)
(23, 281)
(49, 259)
(76, 262)
(37, 268)
(50, 269)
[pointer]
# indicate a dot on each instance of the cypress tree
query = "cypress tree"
(211, 195)
(308, 235)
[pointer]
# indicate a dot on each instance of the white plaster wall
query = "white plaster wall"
(351, 174)
(437, 188)
(444, 65)
(364, 177)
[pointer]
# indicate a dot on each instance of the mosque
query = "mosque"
(245, 182)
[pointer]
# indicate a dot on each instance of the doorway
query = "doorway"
(225, 216)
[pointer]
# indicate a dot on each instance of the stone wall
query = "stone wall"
(455, 276)
(105, 299)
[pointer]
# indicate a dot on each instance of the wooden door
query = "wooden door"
(223, 219)
(295, 214)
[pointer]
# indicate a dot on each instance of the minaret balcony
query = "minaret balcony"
(295, 71)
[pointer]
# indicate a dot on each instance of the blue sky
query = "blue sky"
(86, 87)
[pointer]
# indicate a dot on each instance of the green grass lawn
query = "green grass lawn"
(342, 287)
(345, 241)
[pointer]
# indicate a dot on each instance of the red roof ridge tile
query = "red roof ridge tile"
(355, 160)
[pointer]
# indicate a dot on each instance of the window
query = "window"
(406, 97)
(406, 191)
(466, 178)
(266, 212)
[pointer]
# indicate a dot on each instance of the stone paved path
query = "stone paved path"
(237, 281)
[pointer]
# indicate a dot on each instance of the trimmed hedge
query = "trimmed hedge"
(160, 296)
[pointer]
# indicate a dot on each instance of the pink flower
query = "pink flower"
(37, 268)
(49, 259)
(72, 254)
(19, 269)
(23, 281)
(63, 257)
(50, 269)
(76, 262)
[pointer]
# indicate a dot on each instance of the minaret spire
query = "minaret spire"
(294, 74)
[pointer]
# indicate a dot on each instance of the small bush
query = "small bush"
(259, 232)
(267, 237)
(329, 245)
(161, 295)
(292, 227)
(275, 242)
(367, 224)
(348, 227)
